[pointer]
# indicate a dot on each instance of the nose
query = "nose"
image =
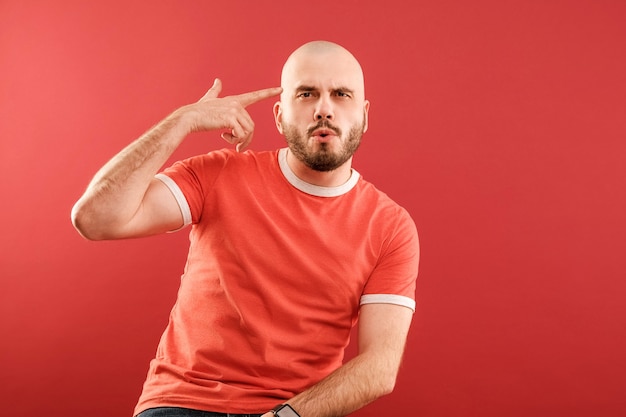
(324, 109)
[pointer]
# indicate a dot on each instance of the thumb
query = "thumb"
(215, 90)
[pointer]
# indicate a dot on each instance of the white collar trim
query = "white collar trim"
(311, 189)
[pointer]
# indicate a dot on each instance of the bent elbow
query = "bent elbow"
(82, 222)
(387, 385)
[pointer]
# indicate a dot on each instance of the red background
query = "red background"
(500, 125)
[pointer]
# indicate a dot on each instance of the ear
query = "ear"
(278, 116)
(366, 109)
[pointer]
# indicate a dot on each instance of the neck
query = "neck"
(334, 178)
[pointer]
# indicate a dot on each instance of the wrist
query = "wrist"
(284, 410)
(186, 119)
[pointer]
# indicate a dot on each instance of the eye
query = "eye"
(344, 94)
(304, 94)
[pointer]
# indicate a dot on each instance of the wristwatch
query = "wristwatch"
(284, 410)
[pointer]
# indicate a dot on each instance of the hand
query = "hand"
(229, 113)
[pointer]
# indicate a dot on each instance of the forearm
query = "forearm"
(360, 381)
(116, 191)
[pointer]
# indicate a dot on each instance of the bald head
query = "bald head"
(328, 60)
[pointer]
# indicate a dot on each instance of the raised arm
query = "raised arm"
(125, 200)
(383, 330)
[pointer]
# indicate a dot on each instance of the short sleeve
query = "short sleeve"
(393, 280)
(192, 179)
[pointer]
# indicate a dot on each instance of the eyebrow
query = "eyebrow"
(305, 88)
(311, 88)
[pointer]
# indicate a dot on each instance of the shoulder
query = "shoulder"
(380, 201)
(386, 216)
(225, 159)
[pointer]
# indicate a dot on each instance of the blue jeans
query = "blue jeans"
(187, 412)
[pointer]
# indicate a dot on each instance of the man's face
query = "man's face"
(323, 112)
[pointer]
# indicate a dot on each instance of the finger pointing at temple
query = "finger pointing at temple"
(229, 113)
(252, 97)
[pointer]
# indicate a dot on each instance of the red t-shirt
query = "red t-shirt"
(276, 271)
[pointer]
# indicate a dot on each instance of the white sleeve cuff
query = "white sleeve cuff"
(179, 196)
(388, 299)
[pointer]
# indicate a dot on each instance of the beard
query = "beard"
(323, 159)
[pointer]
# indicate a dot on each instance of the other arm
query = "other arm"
(383, 330)
(125, 200)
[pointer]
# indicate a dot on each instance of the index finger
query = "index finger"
(253, 96)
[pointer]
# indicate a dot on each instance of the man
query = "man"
(288, 248)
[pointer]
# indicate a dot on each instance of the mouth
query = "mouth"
(324, 133)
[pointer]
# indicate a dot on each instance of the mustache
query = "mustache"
(324, 124)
